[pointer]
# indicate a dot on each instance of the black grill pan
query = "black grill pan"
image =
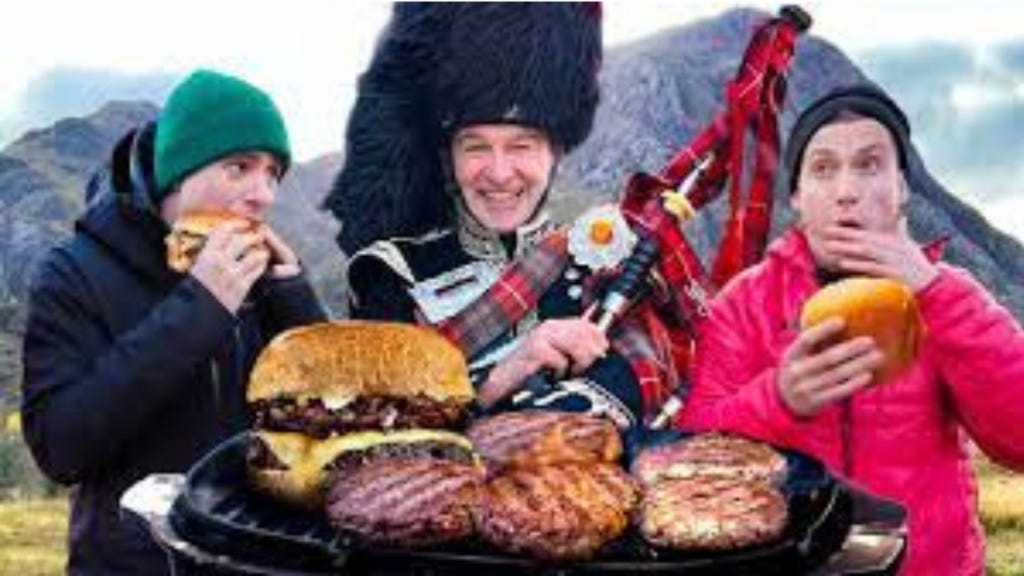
(218, 513)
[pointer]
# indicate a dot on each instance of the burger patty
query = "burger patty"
(406, 502)
(351, 459)
(556, 512)
(535, 438)
(313, 418)
(711, 513)
(710, 454)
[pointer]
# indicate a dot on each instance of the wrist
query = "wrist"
(924, 279)
(228, 298)
(786, 402)
(284, 271)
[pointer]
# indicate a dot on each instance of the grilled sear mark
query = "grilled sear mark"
(406, 502)
(710, 454)
(534, 438)
(712, 513)
(556, 512)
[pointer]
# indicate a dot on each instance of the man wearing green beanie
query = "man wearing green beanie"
(131, 367)
(210, 116)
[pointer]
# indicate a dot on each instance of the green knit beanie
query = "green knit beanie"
(210, 116)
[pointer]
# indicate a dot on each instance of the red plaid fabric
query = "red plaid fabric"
(511, 298)
(716, 155)
(644, 341)
(639, 337)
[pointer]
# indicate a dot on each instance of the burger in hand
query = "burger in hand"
(190, 231)
(882, 309)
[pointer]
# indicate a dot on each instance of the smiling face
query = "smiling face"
(243, 184)
(849, 176)
(503, 172)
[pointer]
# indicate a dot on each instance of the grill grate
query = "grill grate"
(218, 513)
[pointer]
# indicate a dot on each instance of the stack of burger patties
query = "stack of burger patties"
(555, 488)
(711, 492)
(360, 420)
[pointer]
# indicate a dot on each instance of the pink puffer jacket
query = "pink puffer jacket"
(904, 439)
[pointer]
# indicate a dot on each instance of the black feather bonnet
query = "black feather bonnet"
(439, 67)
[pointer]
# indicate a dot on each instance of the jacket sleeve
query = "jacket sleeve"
(87, 395)
(734, 384)
(978, 348)
(376, 292)
(289, 302)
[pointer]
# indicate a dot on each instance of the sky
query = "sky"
(308, 55)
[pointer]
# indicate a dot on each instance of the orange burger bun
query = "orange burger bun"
(880, 308)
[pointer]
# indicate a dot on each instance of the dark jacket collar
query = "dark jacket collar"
(121, 214)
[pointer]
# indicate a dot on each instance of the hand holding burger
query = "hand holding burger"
(854, 333)
(227, 253)
(283, 261)
(814, 375)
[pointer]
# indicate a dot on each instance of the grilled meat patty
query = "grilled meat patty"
(350, 460)
(556, 512)
(534, 438)
(406, 502)
(710, 454)
(711, 513)
(313, 418)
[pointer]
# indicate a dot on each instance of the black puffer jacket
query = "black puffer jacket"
(130, 368)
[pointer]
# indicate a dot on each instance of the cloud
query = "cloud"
(920, 75)
(68, 91)
(1011, 56)
(965, 109)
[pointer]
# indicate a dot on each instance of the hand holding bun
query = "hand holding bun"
(882, 309)
(190, 232)
(225, 252)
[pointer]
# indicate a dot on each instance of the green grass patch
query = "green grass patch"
(32, 537)
(1005, 553)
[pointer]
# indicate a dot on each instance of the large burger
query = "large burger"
(880, 308)
(332, 399)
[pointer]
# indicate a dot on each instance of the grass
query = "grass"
(1002, 514)
(1002, 498)
(1005, 553)
(32, 532)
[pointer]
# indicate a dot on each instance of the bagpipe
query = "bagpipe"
(661, 272)
(656, 206)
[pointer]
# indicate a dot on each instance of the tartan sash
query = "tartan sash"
(640, 337)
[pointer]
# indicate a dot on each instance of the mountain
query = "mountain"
(42, 178)
(659, 92)
(311, 231)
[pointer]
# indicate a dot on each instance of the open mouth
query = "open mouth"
(850, 223)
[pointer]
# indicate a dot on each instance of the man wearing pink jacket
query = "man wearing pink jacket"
(756, 374)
